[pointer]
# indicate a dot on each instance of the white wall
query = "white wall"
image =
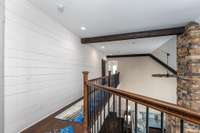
(198, 20)
(170, 47)
(136, 76)
(43, 65)
(1, 63)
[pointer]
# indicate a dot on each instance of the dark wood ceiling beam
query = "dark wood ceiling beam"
(142, 55)
(134, 35)
(127, 55)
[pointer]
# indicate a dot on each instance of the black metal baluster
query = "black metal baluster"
(118, 78)
(119, 106)
(90, 114)
(97, 122)
(91, 108)
(181, 126)
(97, 104)
(104, 104)
(109, 84)
(94, 111)
(126, 115)
(114, 81)
(147, 119)
(162, 122)
(113, 103)
(136, 108)
(108, 103)
(101, 108)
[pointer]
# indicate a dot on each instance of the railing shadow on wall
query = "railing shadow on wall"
(101, 98)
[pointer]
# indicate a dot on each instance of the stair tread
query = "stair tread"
(112, 124)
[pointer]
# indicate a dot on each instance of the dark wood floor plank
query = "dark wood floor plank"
(51, 124)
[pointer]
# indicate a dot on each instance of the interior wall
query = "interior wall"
(43, 65)
(1, 65)
(136, 76)
(198, 20)
(169, 47)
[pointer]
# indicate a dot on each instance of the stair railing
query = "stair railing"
(101, 97)
(95, 101)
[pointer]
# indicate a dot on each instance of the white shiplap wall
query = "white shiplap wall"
(1, 63)
(43, 65)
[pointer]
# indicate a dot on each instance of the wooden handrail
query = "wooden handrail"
(98, 78)
(169, 108)
(102, 77)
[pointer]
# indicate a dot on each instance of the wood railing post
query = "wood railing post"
(85, 99)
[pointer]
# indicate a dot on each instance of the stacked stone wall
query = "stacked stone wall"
(188, 71)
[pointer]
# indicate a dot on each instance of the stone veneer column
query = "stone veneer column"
(188, 71)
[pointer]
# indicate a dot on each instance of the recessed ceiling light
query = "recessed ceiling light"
(61, 8)
(83, 28)
(102, 47)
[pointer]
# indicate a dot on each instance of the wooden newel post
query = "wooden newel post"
(85, 99)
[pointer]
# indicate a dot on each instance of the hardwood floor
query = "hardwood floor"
(52, 125)
(155, 130)
(112, 124)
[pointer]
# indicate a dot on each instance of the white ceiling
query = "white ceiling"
(103, 17)
(135, 46)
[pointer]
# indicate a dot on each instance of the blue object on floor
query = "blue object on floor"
(79, 119)
(68, 129)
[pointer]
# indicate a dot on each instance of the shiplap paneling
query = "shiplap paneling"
(43, 65)
(1, 65)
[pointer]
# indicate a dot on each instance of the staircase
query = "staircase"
(103, 104)
(112, 124)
